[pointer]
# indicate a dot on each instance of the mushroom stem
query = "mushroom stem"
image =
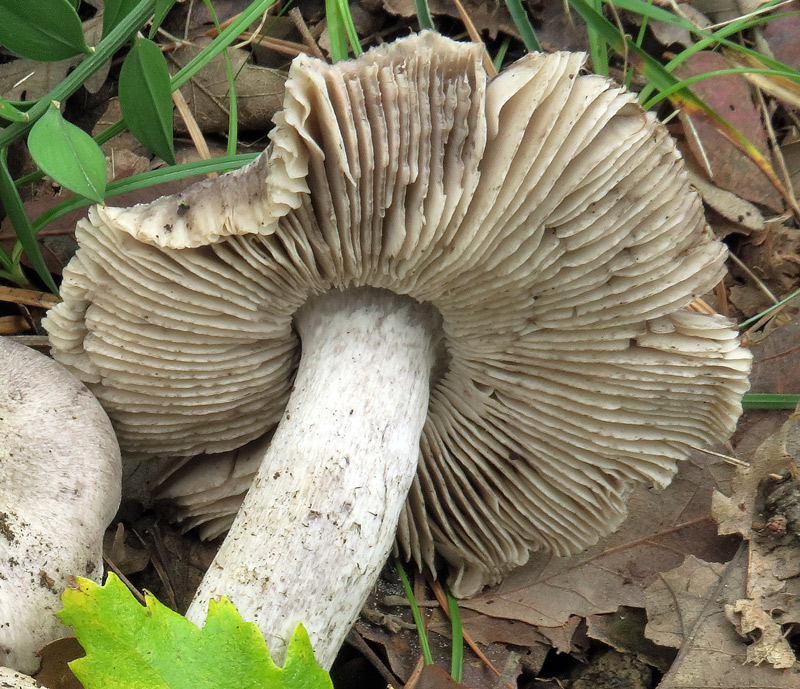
(318, 522)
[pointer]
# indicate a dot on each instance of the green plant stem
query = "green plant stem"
(457, 662)
(769, 400)
(424, 14)
(222, 41)
(423, 638)
(233, 108)
(103, 52)
(759, 316)
(524, 26)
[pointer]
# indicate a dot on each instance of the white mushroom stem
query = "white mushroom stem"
(318, 522)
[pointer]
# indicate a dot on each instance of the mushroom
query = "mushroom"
(10, 679)
(60, 475)
(487, 280)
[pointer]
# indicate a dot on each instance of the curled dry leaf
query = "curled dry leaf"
(685, 607)
(773, 568)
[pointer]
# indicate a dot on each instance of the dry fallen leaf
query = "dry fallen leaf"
(770, 601)
(661, 530)
(726, 166)
(685, 607)
(259, 91)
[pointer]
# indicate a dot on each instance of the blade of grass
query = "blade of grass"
(222, 41)
(457, 662)
(757, 317)
(22, 225)
(336, 34)
(524, 26)
(423, 14)
(682, 98)
(423, 638)
(349, 26)
(501, 54)
(684, 83)
(233, 107)
(598, 47)
(767, 400)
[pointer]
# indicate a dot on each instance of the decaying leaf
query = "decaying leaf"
(662, 529)
(726, 166)
(770, 601)
(259, 91)
(686, 607)
(771, 646)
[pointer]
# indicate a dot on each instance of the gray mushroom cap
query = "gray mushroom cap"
(545, 216)
(60, 475)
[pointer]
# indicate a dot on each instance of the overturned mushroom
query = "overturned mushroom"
(487, 280)
(59, 489)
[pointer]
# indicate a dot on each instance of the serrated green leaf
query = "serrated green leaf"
(115, 11)
(145, 97)
(162, 10)
(130, 646)
(68, 154)
(45, 30)
(15, 209)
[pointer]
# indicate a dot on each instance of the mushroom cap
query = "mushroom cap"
(545, 215)
(60, 475)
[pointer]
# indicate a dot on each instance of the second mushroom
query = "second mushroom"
(487, 280)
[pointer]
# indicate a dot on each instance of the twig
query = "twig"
(302, 27)
(28, 297)
(476, 37)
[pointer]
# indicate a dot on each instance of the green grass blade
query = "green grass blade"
(221, 42)
(598, 44)
(685, 83)
(758, 400)
(336, 32)
(759, 316)
(524, 26)
(21, 222)
(162, 10)
(497, 62)
(424, 14)
(423, 638)
(349, 27)
(457, 662)
(233, 107)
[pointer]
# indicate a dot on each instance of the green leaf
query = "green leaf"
(768, 400)
(9, 112)
(130, 646)
(115, 11)
(145, 97)
(44, 30)
(162, 10)
(22, 225)
(69, 155)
